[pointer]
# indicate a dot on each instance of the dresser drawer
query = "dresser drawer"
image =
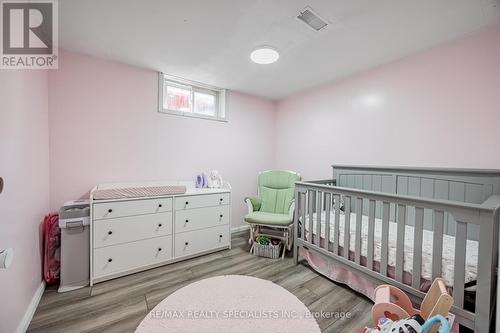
(119, 258)
(131, 228)
(188, 243)
(200, 201)
(200, 218)
(109, 210)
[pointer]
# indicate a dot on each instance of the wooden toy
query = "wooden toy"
(394, 304)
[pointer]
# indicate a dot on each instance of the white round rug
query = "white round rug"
(231, 303)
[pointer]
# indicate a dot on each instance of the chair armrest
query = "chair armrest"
(253, 204)
(291, 211)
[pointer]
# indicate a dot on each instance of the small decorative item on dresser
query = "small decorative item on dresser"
(215, 180)
(201, 180)
(265, 247)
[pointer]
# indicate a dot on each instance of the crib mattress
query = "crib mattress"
(448, 255)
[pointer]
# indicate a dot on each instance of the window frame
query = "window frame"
(218, 93)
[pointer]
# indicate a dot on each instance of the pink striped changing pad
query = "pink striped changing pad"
(138, 192)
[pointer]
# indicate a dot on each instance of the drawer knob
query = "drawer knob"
(159, 249)
(187, 203)
(160, 205)
(221, 199)
(159, 224)
(110, 260)
(110, 210)
(221, 216)
(187, 243)
(187, 221)
(220, 236)
(110, 232)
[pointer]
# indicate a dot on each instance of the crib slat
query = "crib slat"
(328, 203)
(303, 205)
(460, 255)
(371, 233)
(385, 238)
(400, 243)
(298, 199)
(359, 216)
(485, 271)
(347, 226)
(417, 248)
(437, 247)
(312, 195)
(337, 225)
(319, 197)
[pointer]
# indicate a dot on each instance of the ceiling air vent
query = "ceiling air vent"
(313, 20)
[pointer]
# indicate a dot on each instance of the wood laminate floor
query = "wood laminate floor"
(119, 305)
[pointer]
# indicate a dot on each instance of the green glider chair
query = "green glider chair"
(271, 212)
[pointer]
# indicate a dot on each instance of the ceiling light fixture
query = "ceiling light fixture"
(264, 55)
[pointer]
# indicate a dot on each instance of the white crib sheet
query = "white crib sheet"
(448, 246)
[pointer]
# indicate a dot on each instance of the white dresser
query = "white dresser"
(131, 235)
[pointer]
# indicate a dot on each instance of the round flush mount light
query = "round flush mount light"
(264, 55)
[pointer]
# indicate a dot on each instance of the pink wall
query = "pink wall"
(104, 127)
(440, 107)
(24, 165)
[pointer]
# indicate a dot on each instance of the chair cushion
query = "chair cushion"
(278, 179)
(268, 218)
(275, 201)
(276, 189)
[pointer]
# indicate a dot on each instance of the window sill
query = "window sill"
(192, 115)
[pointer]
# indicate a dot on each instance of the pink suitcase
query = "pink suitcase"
(52, 245)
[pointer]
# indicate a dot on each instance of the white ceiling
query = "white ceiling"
(210, 40)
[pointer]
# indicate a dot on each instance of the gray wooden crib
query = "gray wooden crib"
(461, 205)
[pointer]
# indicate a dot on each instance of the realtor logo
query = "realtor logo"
(29, 34)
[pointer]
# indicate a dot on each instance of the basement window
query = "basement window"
(191, 99)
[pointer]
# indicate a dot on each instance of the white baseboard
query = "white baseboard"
(240, 229)
(30, 311)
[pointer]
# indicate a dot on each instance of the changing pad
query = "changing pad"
(138, 192)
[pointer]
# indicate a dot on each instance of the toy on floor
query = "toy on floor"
(433, 322)
(414, 324)
(394, 304)
(408, 325)
(263, 240)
